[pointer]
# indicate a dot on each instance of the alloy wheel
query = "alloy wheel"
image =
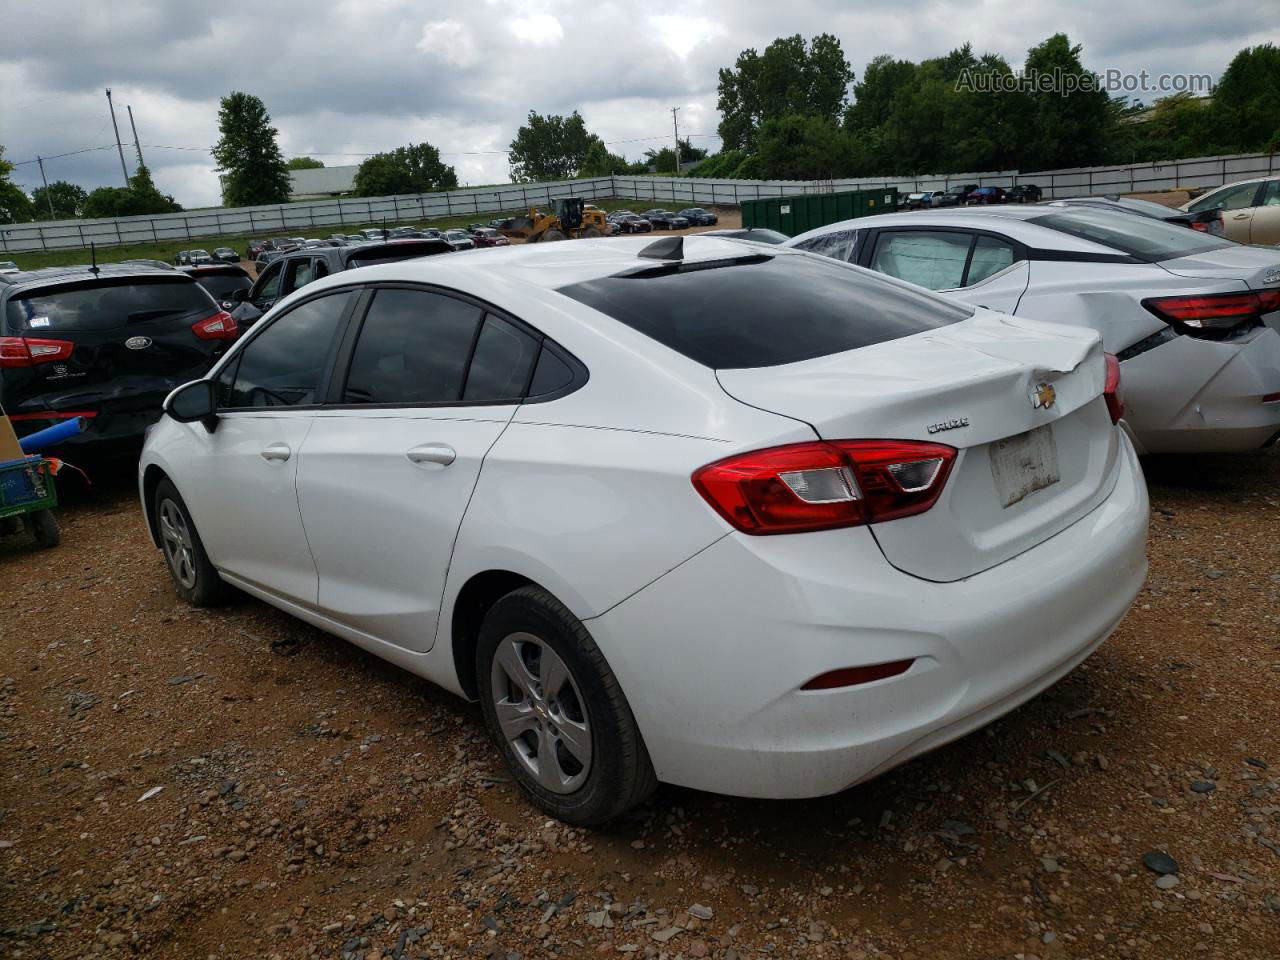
(175, 537)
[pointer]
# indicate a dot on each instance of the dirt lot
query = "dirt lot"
(231, 783)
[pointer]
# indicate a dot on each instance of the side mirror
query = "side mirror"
(239, 295)
(193, 401)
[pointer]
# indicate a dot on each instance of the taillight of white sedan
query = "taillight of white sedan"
(745, 520)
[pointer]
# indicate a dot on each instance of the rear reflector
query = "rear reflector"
(825, 485)
(221, 326)
(852, 676)
(29, 351)
(1111, 391)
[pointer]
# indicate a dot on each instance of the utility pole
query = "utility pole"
(119, 147)
(45, 179)
(136, 145)
(675, 125)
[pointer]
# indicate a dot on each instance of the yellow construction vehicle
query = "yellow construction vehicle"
(571, 220)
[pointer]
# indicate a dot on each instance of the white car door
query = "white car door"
(387, 473)
(240, 483)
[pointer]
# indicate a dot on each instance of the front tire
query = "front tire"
(44, 528)
(193, 573)
(556, 711)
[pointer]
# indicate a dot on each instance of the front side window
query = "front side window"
(413, 349)
(933, 260)
(284, 365)
(269, 282)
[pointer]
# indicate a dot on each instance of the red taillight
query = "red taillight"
(220, 326)
(1214, 312)
(853, 676)
(1111, 391)
(824, 485)
(29, 351)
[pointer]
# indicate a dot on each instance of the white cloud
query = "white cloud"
(537, 29)
(450, 41)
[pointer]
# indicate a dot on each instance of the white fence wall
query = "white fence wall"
(310, 217)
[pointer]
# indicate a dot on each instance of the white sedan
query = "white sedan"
(744, 520)
(1194, 319)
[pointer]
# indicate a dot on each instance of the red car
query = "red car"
(489, 237)
(985, 195)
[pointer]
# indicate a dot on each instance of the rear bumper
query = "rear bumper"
(115, 425)
(1202, 396)
(712, 656)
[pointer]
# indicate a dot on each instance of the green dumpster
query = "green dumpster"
(795, 215)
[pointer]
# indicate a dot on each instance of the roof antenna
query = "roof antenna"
(93, 257)
(668, 248)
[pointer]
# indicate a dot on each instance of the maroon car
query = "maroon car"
(488, 237)
(985, 195)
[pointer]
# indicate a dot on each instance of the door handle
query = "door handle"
(440, 453)
(1242, 216)
(277, 451)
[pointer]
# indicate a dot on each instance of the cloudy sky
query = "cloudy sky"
(346, 78)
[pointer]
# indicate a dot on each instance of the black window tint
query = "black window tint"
(283, 365)
(500, 367)
(1151, 240)
(763, 311)
(413, 348)
(222, 285)
(551, 374)
(107, 304)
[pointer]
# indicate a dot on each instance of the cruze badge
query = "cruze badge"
(138, 343)
(949, 425)
(1043, 396)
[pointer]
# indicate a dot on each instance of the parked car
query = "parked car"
(339, 239)
(956, 196)
(631, 223)
(8, 266)
(422, 488)
(182, 258)
(226, 255)
(698, 217)
(147, 262)
(1250, 210)
(355, 238)
(404, 231)
(255, 248)
(488, 237)
(459, 239)
(1206, 221)
(919, 201)
(221, 281)
(373, 233)
(1023, 193)
(106, 346)
(195, 257)
(295, 269)
(985, 196)
(758, 234)
(1192, 317)
(269, 256)
(281, 243)
(665, 219)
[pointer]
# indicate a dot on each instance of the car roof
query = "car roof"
(48, 276)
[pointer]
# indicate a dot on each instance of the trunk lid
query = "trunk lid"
(1250, 265)
(1020, 400)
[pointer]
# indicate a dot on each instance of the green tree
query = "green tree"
(790, 77)
(1247, 99)
(304, 163)
(599, 162)
(15, 205)
(1062, 128)
(66, 198)
(140, 198)
(416, 168)
(249, 160)
(551, 148)
(798, 147)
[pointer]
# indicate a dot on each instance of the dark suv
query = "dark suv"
(957, 196)
(107, 345)
(295, 269)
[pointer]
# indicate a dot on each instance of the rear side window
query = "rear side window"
(106, 305)
(1150, 240)
(838, 245)
(1238, 197)
(390, 252)
(764, 311)
(500, 367)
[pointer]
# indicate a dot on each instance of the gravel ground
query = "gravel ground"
(232, 783)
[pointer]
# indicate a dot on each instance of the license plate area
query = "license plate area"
(1023, 464)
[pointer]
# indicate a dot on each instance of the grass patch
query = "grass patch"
(166, 250)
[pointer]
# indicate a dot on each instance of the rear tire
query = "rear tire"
(556, 712)
(44, 527)
(592, 232)
(193, 573)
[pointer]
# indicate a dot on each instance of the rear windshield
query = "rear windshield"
(105, 305)
(1151, 240)
(389, 252)
(762, 311)
(221, 285)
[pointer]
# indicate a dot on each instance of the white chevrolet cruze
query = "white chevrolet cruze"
(750, 521)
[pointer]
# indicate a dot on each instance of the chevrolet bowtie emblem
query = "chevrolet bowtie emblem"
(1043, 396)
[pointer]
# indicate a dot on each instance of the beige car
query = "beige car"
(1250, 209)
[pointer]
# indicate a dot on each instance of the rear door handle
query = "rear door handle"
(1242, 216)
(440, 453)
(277, 451)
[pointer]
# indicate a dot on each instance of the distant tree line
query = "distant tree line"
(797, 111)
